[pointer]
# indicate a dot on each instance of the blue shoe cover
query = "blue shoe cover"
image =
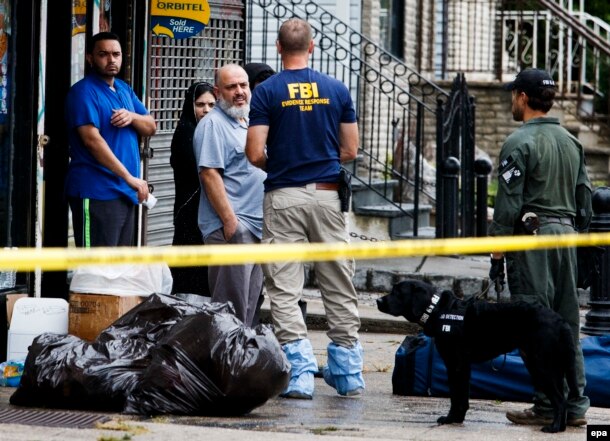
(344, 370)
(303, 366)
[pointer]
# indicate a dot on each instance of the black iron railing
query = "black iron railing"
(573, 46)
(396, 105)
(493, 40)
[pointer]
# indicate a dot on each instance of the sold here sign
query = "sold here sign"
(179, 18)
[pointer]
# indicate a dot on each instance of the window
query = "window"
(392, 25)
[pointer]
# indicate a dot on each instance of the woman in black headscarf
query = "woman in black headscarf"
(199, 100)
(257, 73)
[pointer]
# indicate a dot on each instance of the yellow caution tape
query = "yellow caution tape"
(29, 259)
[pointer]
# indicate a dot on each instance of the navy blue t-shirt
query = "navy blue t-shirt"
(303, 109)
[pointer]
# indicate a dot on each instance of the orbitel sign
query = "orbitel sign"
(179, 18)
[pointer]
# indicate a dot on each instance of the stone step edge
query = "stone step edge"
(376, 281)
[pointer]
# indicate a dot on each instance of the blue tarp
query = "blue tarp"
(420, 371)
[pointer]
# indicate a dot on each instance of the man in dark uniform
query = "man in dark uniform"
(543, 188)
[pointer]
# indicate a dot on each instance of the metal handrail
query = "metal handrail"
(577, 26)
(390, 95)
(571, 46)
(309, 10)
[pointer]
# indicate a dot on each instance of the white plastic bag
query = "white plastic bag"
(123, 280)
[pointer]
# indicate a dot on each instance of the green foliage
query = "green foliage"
(492, 191)
(324, 430)
(599, 183)
(125, 437)
(599, 8)
(387, 171)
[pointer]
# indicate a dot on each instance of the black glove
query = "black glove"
(496, 273)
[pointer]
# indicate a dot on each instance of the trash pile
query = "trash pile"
(164, 356)
(10, 373)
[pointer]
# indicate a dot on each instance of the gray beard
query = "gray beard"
(234, 112)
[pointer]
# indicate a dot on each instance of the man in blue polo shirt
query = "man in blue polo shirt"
(231, 200)
(104, 118)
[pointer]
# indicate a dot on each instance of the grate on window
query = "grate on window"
(176, 64)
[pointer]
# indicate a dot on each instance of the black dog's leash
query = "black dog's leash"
(481, 293)
(478, 297)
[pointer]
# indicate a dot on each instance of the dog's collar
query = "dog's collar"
(426, 315)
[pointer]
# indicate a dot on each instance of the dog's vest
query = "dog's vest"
(449, 320)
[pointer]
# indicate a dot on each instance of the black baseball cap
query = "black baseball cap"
(532, 82)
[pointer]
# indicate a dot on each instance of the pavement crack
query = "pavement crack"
(421, 264)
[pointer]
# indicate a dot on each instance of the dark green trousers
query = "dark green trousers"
(548, 277)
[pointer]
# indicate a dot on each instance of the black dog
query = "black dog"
(473, 331)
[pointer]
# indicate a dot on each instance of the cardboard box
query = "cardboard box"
(90, 314)
(10, 304)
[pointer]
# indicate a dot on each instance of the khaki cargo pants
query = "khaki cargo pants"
(306, 215)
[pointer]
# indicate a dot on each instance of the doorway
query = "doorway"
(68, 25)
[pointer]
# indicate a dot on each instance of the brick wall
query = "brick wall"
(370, 19)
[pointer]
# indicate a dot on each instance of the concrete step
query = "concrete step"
(398, 221)
(426, 232)
(596, 146)
(465, 275)
(368, 227)
(383, 210)
(598, 162)
(371, 320)
(374, 215)
(376, 193)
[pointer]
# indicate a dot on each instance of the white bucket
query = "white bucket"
(32, 317)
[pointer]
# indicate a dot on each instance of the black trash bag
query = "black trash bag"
(63, 371)
(211, 364)
(153, 318)
(229, 368)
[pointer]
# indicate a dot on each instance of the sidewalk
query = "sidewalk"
(376, 415)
